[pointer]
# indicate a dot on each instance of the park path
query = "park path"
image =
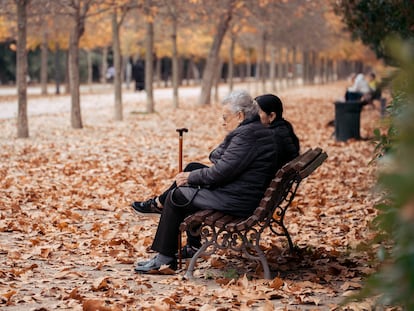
(92, 97)
(95, 97)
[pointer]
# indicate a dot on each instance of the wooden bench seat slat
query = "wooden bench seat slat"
(221, 222)
(248, 223)
(241, 224)
(196, 218)
(202, 215)
(211, 219)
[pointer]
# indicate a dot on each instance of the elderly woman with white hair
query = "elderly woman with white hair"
(242, 167)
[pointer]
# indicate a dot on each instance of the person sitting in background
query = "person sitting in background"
(243, 165)
(374, 86)
(359, 90)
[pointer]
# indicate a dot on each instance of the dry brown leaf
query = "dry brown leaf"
(98, 305)
(9, 295)
(74, 294)
(350, 285)
(276, 283)
(101, 284)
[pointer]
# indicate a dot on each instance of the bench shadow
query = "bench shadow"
(315, 265)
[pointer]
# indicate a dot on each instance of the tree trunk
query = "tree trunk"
(278, 69)
(104, 64)
(285, 53)
(57, 68)
(217, 79)
(272, 72)
(43, 62)
(67, 78)
(175, 77)
(89, 65)
(149, 66)
(288, 67)
(231, 62)
(76, 118)
(22, 121)
(262, 64)
(157, 75)
(248, 68)
(313, 67)
(324, 70)
(117, 65)
(213, 59)
(305, 67)
(128, 71)
(294, 62)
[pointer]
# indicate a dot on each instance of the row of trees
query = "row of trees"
(231, 31)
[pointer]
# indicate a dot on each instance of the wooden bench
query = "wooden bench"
(221, 231)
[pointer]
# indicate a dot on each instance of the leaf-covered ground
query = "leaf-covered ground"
(69, 241)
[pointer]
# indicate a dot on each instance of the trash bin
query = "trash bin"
(347, 119)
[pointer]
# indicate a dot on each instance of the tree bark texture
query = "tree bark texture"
(104, 65)
(116, 47)
(231, 62)
(213, 56)
(57, 68)
(294, 62)
(262, 64)
(22, 120)
(89, 66)
(44, 56)
(149, 66)
(77, 31)
(272, 69)
(67, 79)
(175, 77)
(76, 117)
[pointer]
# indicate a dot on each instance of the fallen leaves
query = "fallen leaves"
(8, 296)
(98, 305)
(69, 240)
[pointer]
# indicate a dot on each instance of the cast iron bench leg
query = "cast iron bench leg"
(189, 273)
(263, 261)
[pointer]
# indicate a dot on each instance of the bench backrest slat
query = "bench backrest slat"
(313, 165)
(292, 172)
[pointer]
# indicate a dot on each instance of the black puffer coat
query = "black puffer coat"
(244, 164)
(287, 141)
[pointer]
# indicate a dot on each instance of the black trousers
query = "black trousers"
(166, 237)
(189, 167)
(173, 213)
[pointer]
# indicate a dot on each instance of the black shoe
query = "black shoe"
(143, 263)
(153, 265)
(147, 207)
(188, 251)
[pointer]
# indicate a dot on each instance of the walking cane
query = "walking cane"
(180, 169)
(180, 148)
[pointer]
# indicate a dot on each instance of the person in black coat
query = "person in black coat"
(271, 115)
(243, 165)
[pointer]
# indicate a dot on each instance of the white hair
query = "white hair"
(241, 100)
